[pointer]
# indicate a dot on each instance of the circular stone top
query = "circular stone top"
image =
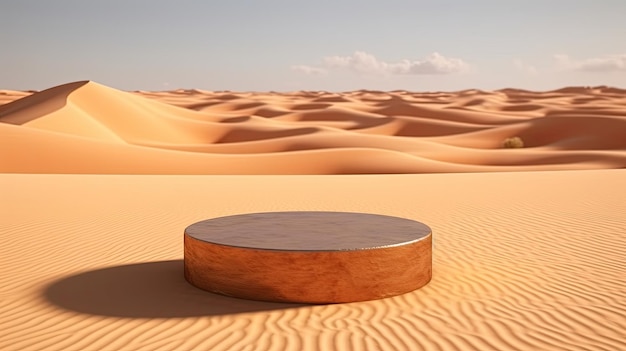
(309, 231)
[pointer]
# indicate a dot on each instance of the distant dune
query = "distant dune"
(85, 127)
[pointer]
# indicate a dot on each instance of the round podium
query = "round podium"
(308, 256)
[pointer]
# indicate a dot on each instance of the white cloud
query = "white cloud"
(363, 62)
(524, 67)
(608, 63)
(309, 70)
(359, 61)
(435, 63)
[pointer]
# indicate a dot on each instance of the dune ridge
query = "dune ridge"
(202, 132)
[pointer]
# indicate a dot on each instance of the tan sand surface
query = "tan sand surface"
(521, 261)
(97, 186)
(85, 127)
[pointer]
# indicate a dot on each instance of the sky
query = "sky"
(289, 45)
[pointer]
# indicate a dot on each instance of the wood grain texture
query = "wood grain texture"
(305, 276)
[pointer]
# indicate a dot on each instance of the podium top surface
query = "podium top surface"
(309, 231)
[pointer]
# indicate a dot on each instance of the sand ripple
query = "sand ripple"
(521, 261)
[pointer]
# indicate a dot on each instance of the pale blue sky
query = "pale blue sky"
(313, 45)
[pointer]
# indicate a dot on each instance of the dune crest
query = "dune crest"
(85, 127)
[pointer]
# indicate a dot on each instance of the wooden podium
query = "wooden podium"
(308, 257)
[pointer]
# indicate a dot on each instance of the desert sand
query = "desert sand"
(85, 127)
(98, 184)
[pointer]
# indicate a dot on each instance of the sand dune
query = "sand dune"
(521, 261)
(528, 256)
(84, 127)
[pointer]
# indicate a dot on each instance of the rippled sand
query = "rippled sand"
(524, 260)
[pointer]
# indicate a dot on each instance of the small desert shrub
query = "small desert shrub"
(513, 143)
